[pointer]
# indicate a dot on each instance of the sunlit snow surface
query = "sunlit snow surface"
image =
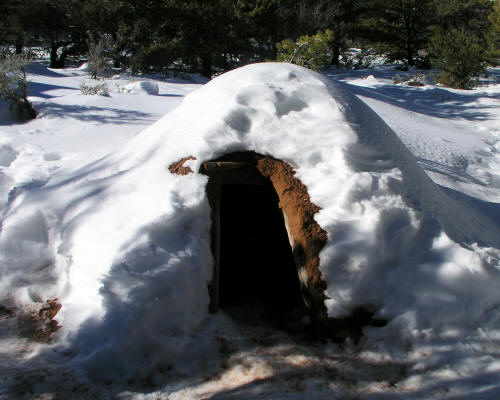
(92, 216)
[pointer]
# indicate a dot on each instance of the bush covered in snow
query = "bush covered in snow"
(416, 79)
(359, 59)
(100, 89)
(14, 86)
(140, 87)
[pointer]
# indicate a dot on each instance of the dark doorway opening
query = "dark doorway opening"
(256, 274)
(257, 267)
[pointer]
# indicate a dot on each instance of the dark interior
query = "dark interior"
(256, 265)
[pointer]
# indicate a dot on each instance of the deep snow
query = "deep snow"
(91, 216)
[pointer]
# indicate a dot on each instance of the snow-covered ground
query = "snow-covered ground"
(91, 216)
(454, 134)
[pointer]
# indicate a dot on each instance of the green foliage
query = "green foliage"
(210, 37)
(470, 14)
(300, 17)
(307, 51)
(459, 55)
(13, 23)
(207, 34)
(493, 36)
(458, 47)
(13, 84)
(58, 25)
(157, 57)
(256, 28)
(399, 29)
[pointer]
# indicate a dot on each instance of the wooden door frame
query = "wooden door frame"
(224, 173)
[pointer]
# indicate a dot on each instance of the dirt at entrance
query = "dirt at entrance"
(259, 361)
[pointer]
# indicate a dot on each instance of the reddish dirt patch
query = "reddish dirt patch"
(37, 322)
(308, 237)
(50, 310)
(178, 167)
(48, 324)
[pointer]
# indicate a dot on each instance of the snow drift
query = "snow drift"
(125, 245)
(140, 87)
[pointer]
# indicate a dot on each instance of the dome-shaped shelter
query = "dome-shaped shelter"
(130, 244)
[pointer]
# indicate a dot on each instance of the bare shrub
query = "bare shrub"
(100, 89)
(99, 54)
(417, 79)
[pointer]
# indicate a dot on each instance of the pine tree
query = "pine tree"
(399, 28)
(459, 55)
(494, 34)
(205, 33)
(341, 18)
(459, 45)
(14, 26)
(256, 30)
(57, 23)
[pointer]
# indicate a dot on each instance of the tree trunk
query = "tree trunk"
(55, 61)
(409, 46)
(206, 65)
(53, 54)
(410, 56)
(335, 55)
(19, 44)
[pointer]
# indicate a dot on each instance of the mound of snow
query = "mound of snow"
(141, 87)
(125, 245)
(7, 155)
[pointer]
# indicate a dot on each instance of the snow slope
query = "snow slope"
(92, 216)
(452, 133)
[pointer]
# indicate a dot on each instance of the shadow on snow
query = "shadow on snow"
(435, 102)
(93, 113)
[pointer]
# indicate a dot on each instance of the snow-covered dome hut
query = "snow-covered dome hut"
(129, 244)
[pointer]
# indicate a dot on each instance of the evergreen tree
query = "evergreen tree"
(102, 20)
(339, 17)
(400, 28)
(459, 55)
(205, 33)
(14, 26)
(459, 45)
(256, 29)
(494, 34)
(57, 23)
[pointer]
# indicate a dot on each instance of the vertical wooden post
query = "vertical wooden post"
(216, 239)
